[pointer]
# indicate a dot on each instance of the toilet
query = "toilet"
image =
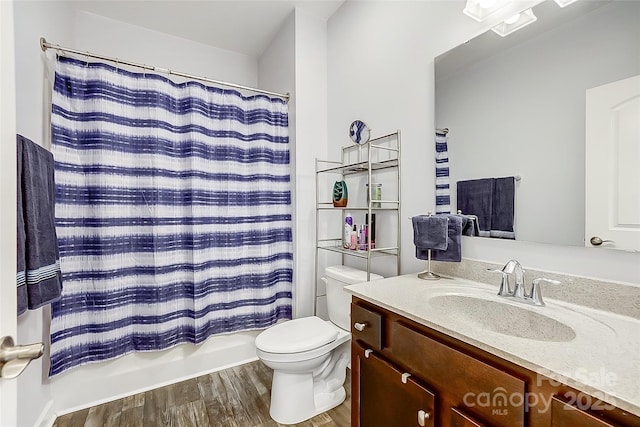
(309, 356)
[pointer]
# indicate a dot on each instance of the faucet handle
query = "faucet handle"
(505, 287)
(536, 291)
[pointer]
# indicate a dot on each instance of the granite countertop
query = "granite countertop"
(598, 353)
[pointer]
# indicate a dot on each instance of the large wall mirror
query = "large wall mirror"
(515, 105)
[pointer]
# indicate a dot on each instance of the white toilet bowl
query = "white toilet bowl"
(309, 378)
(309, 355)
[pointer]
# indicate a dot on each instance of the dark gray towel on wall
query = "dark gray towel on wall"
(39, 280)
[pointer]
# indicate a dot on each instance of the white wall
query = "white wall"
(381, 71)
(295, 62)
(61, 24)
(311, 143)
(521, 111)
(32, 21)
(380, 59)
(8, 324)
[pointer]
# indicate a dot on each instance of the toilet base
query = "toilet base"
(296, 397)
(300, 405)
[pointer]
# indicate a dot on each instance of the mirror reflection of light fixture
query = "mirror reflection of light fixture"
(482, 9)
(563, 3)
(514, 23)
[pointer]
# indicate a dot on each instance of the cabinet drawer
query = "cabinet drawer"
(566, 415)
(366, 327)
(472, 385)
(391, 397)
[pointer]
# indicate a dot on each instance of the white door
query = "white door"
(613, 165)
(8, 389)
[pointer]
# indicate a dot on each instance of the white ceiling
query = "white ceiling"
(245, 26)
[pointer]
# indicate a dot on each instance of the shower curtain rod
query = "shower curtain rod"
(44, 45)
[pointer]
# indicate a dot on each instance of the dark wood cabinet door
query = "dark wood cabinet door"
(480, 389)
(566, 415)
(390, 397)
(460, 419)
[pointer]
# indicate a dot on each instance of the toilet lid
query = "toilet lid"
(306, 333)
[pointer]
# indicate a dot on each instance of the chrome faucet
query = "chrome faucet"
(514, 267)
(511, 267)
(519, 293)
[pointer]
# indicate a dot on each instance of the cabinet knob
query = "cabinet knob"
(423, 417)
(359, 326)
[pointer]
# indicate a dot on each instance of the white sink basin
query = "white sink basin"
(502, 317)
(463, 308)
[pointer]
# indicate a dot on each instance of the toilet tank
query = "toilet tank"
(339, 301)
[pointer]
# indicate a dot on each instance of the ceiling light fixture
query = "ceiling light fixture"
(482, 9)
(515, 18)
(515, 23)
(563, 3)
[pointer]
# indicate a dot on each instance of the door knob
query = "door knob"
(597, 241)
(14, 358)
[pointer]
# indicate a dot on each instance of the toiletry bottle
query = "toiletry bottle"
(353, 238)
(371, 228)
(362, 239)
(366, 238)
(376, 195)
(348, 225)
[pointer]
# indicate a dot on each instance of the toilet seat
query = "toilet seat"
(296, 336)
(324, 328)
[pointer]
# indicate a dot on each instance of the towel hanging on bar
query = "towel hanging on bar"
(39, 280)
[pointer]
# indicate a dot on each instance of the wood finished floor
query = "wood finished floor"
(234, 397)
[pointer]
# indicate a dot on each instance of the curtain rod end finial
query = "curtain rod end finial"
(43, 44)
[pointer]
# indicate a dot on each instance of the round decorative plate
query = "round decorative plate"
(359, 132)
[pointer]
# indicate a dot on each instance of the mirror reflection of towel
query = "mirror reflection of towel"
(502, 214)
(475, 197)
(470, 225)
(492, 200)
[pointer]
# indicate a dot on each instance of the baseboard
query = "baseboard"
(47, 416)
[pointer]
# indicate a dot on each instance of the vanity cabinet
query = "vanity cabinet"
(407, 374)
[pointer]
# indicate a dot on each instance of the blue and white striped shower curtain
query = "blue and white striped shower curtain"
(443, 192)
(173, 212)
